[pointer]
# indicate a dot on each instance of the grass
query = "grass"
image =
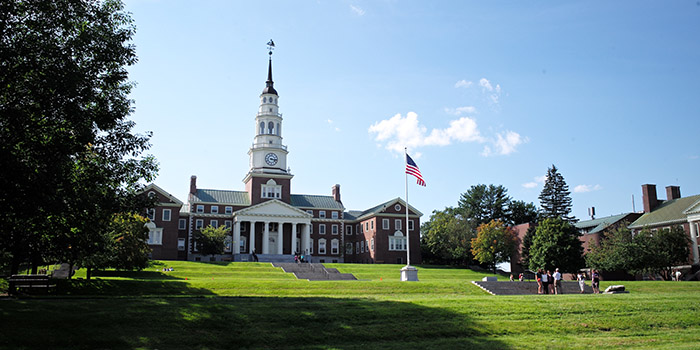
(253, 305)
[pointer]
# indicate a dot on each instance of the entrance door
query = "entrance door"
(272, 243)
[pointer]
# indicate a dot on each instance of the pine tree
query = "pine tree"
(555, 198)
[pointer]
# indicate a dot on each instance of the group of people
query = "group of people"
(548, 282)
(299, 258)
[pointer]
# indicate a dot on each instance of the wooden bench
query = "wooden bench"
(29, 282)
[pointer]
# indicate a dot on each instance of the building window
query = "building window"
(397, 207)
(182, 224)
(279, 128)
(151, 194)
(270, 126)
(372, 244)
(359, 229)
(214, 223)
(228, 244)
(366, 226)
(310, 212)
(410, 225)
(228, 210)
(228, 224)
(362, 247)
(321, 246)
(151, 214)
(181, 244)
(397, 242)
(311, 246)
(697, 230)
(271, 190)
(334, 229)
(385, 224)
(243, 227)
(198, 224)
(334, 214)
(155, 236)
(348, 230)
(334, 246)
(242, 244)
(397, 224)
(322, 214)
(166, 214)
(357, 247)
(214, 209)
(371, 225)
(200, 208)
(348, 248)
(322, 229)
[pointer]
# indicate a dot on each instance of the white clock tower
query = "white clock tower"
(268, 177)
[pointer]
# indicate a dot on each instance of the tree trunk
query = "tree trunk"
(14, 265)
(88, 273)
(70, 270)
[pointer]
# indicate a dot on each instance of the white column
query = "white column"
(294, 238)
(252, 237)
(236, 237)
(694, 240)
(280, 240)
(305, 238)
(266, 238)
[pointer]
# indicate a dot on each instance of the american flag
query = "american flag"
(412, 169)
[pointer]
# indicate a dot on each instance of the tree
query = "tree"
(482, 204)
(210, 240)
(68, 158)
(526, 244)
(445, 238)
(556, 244)
(617, 251)
(521, 212)
(494, 243)
(555, 198)
(130, 247)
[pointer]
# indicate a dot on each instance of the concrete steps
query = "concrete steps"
(524, 288)
(314, 272)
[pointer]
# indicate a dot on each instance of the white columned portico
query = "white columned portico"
(294, 238)
(694, 240)
(266, 238)
(252, 237)
(236, 237)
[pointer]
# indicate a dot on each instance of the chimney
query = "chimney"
(649, 197)
(193, 184)
(336, 192)
(673, 192)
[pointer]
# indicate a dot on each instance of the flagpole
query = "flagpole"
(408, 244)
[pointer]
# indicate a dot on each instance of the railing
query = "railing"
(269, 113)
(269, 145)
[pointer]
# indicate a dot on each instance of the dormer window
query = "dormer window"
(264, 99)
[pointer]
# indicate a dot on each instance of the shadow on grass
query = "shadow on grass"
(216, 323)
(96, 287)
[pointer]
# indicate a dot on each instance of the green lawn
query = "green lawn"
(253, 305)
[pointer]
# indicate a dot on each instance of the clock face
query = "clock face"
(271, 159)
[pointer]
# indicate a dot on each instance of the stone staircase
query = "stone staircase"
(524, 288)
(314, 272)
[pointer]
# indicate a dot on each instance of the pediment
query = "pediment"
(273, 208)
(165, 197)
(693, 209)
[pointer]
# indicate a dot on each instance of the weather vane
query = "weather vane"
(270, 46)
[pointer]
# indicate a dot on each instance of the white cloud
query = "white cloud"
(461, 110)
(330, 121)
(463, 83)
(357, 10)
(587, 188)
(493, 92)
(504, 144)
(398, 132)
(538, 180)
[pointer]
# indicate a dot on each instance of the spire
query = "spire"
(269, 84)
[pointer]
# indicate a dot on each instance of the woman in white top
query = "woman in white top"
(581, 281)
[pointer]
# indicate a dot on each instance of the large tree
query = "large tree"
(482, 204)
(522, 212)
(68, 158)
(494, 243)
(555, 198)
(210, 240)
(445, 238)
(555, 244)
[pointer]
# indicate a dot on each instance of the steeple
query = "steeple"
(269, 84)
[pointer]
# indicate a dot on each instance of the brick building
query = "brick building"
(266, 218)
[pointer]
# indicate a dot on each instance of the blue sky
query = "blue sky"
(481, 92)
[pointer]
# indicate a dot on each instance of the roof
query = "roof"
(379, 208)
(669, 212)
(352, 214)
(222, 196)
(598, 225)
(315, 201)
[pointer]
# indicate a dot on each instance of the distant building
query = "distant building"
(266, 218)
(592, 230)
(674, 211)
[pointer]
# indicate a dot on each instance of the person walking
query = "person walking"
(595, 282)
(538, 278)
(557, 282)
(545, 282)
(581, 278)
